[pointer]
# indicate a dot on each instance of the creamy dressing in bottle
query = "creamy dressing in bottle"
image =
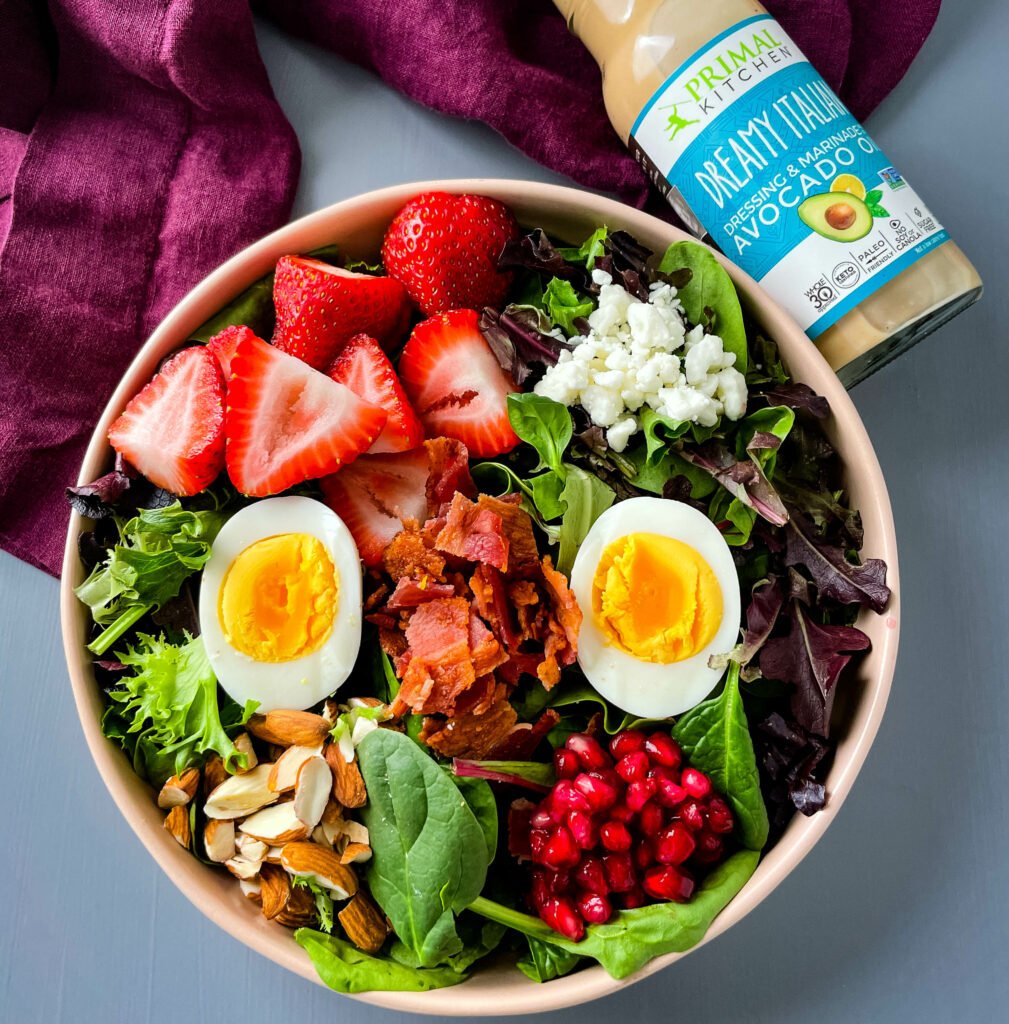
(756, 154)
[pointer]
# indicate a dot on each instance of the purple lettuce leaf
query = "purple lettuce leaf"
(520, 340)
(535, 251)
(812, 658)
(97, 499)
(745, 481)
(798, 396)
(766, 601)
(534, 775)
(835, 577)
(793, 763)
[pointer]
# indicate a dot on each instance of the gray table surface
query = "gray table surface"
(901, 913)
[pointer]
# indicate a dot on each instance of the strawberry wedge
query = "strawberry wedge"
(223, 346)
(173, 430)
(457, 385)
(321, 307)
(287, 423)
(375, 495)
(364, 368)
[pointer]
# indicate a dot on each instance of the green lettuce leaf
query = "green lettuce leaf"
(564, 305)
(585, 499)
(544, 961)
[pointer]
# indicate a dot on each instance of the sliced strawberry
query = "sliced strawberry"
(173, 431)
(445, 249)
(320, 308)
(457, 385)
(223, 346)
(288, 423)
(364, 368)
(375, 495)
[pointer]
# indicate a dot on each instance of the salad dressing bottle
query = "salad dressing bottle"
(759, 157)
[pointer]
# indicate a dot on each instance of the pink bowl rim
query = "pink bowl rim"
(491, 997)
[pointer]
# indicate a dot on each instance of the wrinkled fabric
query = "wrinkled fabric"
(141, 145)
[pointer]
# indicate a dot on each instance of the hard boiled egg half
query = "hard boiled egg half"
(280, 603)
(659, 595)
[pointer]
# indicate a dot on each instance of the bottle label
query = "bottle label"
(750, 144)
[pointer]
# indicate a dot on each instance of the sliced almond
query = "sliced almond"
(330, 710)
(332, 822)
(311, 792)
(250, 889)
(273, 854)
(290, 728)
(300, 909)
(177, 822)
(243, 744)
(310, 860)
(275, 825)
(364, 923)
(285, 772)
(219, 840)
(251, 849)
(355, 853)
(242, 868)
(214, 773)
(348, 784)
(241, 794)
(274, 889)
(179, 789)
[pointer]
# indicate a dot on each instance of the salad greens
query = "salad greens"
(157, 551)
(166, 713)
(544, 961)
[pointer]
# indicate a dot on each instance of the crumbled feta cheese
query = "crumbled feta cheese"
(640, 354)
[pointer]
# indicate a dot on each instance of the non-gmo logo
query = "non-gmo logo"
(845, 275)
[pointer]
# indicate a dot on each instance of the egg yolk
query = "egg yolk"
(656, 598)
(278, 599)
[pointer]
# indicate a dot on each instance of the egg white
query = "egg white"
(301, 682)
(643, 688)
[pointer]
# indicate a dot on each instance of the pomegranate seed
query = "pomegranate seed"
(537, 843)
(668, 884)
(589, 752)
(583, 828)
(662, 749)
(562, 916)
(619, 871)
(566, 763)
(696, 783)
(594, 908)
(540, 891)
(670, 792)
(545, 817)
(621, 812)
(675, 844)
(651, 819)
(720, 817)
(561, 850)
(627, 742)
(591, 876)
(633, 898)
(639, 793)
(614, 836)
(644, 855)
(599, 794)
(565, 797)
(709, 847)
(691, 814)
(633, 767)
(558, 882)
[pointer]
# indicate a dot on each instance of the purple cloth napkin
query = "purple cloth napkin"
(141, 145)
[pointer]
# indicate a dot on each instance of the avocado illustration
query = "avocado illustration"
(840, 216)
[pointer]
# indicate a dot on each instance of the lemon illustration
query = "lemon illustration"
(848, 183)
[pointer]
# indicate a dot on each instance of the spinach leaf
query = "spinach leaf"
(254, 306)
(479, 937)
(480, 798)
(429, 851)
(585, 499)
(547, 489)
(716, 739)
(710, 289)
(626, 943)
(344, 968)
(543, 423)
(564, 305)
(545, 961)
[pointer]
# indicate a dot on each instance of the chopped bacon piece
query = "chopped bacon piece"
(566, 609)
(491, 602)
(408, 555)
(555, 648)
(440, 667)
(470, 735)
(382, 619)
(474, 533)
(376, 597)
(449, 472)
(518, 665)
(485, 650)
(410, 593)
(521, 743)
(518, 531)
(393, 641)
(481, 696)
(525, 600)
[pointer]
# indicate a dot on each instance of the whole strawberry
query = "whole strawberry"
(445, 247)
